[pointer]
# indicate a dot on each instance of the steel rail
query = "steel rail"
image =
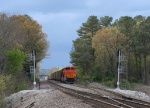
(125, 97)
(128, 99)
(98, 100)
(134, 103)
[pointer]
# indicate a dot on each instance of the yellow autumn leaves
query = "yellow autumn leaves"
(107, 39)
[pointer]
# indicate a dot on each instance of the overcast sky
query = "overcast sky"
(61, 18)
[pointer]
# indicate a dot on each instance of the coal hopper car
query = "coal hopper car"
(66, 74)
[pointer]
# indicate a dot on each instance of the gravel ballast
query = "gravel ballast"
(46, 98)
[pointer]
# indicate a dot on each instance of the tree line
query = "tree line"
(19, 35)
(94, 52)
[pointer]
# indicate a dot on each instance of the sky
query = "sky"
(60, 19)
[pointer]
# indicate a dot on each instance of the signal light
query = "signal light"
(119, 51)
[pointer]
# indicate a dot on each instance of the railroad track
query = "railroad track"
(128, 99)
(101, 100)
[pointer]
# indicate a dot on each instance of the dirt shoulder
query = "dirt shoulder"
(143, 88)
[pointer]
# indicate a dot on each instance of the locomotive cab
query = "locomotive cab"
(68, 74)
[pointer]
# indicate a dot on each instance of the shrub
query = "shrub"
(15, 60)
(125, 84)
(2, 88)
(20, 86)
(3, 85)
(109, 83)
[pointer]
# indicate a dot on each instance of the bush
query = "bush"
(109, 78)
(135, 80)
(125, 84)
(21, 86)
(96, 78)
(3, 85)
(15, 60)
(109, 83)
(79, 74)
(2, 88)
(96, 74)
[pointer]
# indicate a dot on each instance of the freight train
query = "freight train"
(66, 74)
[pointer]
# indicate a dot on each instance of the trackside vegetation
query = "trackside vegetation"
(15, 61)
(94, 52)
(19, 35)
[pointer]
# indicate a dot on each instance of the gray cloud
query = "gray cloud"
(61, 18)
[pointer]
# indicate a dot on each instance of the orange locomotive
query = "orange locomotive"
(66, 74)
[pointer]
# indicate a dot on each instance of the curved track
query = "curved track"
(100, 100)
(129, 100)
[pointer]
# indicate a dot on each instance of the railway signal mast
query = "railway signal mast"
(31, 60)
(33, 54)
(121, 66)
(119, 53)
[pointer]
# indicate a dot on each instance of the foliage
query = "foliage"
(126, 84)
(96, 75)
(106, 43)
(141, 42)
(94, 52)
(90, 27)
(125, 25)
(21, 86)
(15, 60)
(82, 54)
(33, 36)
(105, 21)
(7, 37)
(15, 83)
(109, 83)
(128, 26)
(134, 79)
(82, 77)
(79, 73)
(19, 34)
(2, 88)
(139, 18)
(3, 83)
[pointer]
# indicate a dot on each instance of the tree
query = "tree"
(142, 41)
(15, 60)
(106, 43)
(89, 27)
(125, 25)
(33, 37)
(82, 54)
(105, 21)
(137, 73)
(139, 18)
(19, 34)
(7, 37)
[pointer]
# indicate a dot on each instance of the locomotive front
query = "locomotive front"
(68, 74)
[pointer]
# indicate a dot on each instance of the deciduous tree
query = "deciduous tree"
(33, 36)
(106, 43)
